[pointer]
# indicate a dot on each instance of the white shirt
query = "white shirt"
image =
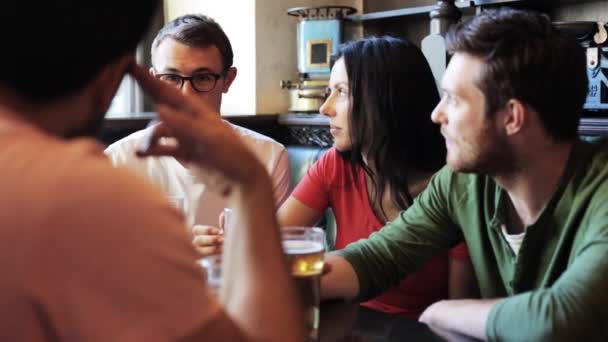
(514, 240)
(200, 206)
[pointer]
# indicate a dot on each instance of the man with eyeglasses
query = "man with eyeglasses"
(193, 54)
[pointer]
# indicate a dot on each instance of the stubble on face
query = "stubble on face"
(485, 152)
(475, 140)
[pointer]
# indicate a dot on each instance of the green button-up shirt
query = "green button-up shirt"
(556, 288)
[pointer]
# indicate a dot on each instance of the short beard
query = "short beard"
(495, 159)
(492, 156)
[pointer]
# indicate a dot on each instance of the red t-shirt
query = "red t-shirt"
(331, 182)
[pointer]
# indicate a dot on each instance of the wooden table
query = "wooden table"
(342, 321)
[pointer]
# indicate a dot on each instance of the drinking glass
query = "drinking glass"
(213, 268)
(228, 220)
(305, 249)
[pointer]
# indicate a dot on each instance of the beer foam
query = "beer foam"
(302, 246)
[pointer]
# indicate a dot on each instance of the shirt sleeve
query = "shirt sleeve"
(405, 244)
(116, 154)
(573, 308)
(121, 266)
(122, 153)
(281, 178)
(313, 189)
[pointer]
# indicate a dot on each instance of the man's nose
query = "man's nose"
(187, 88)
(438, 116)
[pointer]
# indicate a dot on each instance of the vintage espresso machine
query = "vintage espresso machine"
(593, 37)
(320, 32)
(597, 72)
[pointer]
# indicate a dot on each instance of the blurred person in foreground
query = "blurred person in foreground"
(529, 198)
(91, 252)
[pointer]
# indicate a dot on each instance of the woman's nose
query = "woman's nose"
(327, 107)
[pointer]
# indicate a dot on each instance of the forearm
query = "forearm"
(295, 213)
(257, 288)
(341, 282)
(462, 283)
(466, 317)
(281, 179)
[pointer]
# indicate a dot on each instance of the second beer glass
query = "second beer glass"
(305, 247)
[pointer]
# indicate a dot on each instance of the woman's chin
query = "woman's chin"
(342, 147)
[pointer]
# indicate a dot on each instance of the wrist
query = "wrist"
(254, 182)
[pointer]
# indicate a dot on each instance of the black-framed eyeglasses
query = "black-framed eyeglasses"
(201, 82)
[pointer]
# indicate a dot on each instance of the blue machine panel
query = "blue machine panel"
(597, 98)
(317, 41)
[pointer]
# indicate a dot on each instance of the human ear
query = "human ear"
(229, 78)
(516, 115)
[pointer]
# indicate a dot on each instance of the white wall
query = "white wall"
(263, 38)
(237, 19)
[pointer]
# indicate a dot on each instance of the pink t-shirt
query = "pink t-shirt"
(90, 252)
(331, 182)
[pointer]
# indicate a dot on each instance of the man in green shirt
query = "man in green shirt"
(530, 200)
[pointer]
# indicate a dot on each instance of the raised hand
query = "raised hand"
(203, 139)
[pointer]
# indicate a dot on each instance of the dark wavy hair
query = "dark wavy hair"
(197, 30)
(527, 58)
(393, 94)
(52, 49)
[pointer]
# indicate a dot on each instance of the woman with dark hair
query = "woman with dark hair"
(380, 97)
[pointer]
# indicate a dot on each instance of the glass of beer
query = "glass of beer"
(305, 247)
(213, 268)
(228, 220)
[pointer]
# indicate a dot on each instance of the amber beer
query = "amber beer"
(305, 248)
(305, 257)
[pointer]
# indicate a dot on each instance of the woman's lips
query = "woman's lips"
(333, 129)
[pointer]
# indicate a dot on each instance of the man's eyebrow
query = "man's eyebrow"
(176, 71)
(204, 69)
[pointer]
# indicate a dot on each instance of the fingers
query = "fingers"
(152, 135)
(207, 251)
(161, 150)
(207, 240)
(326, 268)
(153, 144)
(205, 230)
(176, 123)
(160, 92)
(157, 150)
(208, 244)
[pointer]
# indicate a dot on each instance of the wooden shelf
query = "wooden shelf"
(594, 126)
(423, 10)
(391, 14)
(462, 4)
(303, 119)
